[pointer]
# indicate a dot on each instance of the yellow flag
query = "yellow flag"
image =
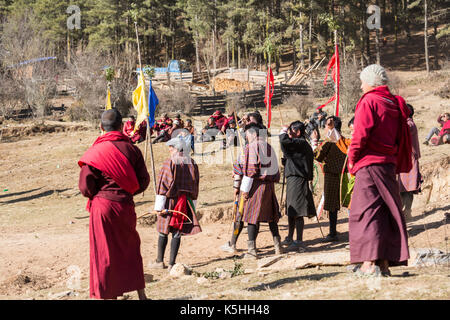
(108, 101)
(140, 102)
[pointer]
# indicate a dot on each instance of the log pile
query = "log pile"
(300, 74)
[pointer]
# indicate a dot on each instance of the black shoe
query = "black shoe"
(425, 143)
(331, 238)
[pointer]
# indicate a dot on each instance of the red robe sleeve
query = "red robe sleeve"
(364, 122)
(87, 182)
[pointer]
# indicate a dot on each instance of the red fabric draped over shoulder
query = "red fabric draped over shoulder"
(104, 156)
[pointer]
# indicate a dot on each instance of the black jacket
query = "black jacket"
(299, 157)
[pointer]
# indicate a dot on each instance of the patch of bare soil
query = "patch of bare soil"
(23, 282)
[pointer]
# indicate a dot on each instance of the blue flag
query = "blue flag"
(152, 103)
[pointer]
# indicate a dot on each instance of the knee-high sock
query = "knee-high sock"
(292, 223)
(252, 232)
(299, 225)
(174, 246)
(238, 226)
(333, 222)
(273, 226)
(162, 243)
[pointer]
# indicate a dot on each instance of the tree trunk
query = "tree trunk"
(197, 58)
(436, 48)
(310, 38)
(228, 54)
(427, 62)
(239, 56)
(395, 26)
(377, 45)
(302, 62)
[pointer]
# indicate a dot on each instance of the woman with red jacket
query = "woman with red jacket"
(380, 149)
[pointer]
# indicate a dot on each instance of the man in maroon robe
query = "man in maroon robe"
(112, 171)
(380, 148)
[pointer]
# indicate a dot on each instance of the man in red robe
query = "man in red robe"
(137, 136)
(380, 148)
(112, 171)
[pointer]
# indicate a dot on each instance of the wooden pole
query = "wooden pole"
(148, 138)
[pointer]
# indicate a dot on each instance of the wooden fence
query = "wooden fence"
(250, 99)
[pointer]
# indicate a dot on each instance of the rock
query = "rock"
(224, 275)
(179, 270)
(60, 295)
(431, 257)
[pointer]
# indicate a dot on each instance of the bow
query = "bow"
(166, 211)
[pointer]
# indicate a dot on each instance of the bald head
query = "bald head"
(111, 120)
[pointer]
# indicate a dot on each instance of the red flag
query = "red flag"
(334, 65)
(268, 95)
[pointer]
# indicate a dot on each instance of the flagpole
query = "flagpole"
(336, 88)
(148, 137)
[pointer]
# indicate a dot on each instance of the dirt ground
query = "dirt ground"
(44, 242)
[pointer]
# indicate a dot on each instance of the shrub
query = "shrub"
(303, 104)
(350, 88)
(175, 99)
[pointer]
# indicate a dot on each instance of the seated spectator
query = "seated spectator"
(443, 134)
(165, 134)
(128, 127)
(140, 134)
(165, 123)
(191, 131)
(231, 135)
(210, 131)
(219, 119)
(225, 125)
(178, 117)
(319, 118)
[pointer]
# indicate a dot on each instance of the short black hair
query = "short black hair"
(257, 117)
(111, 120)
(411, 110)
(253, 127)
(337, 122)
(298, 125)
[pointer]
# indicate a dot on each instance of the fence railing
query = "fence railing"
(250, 99)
